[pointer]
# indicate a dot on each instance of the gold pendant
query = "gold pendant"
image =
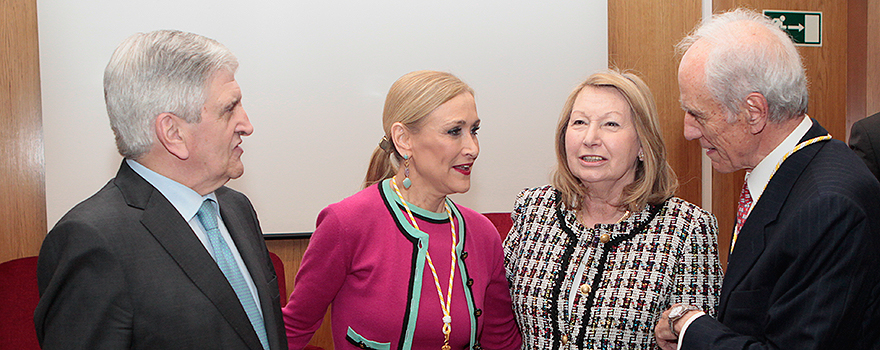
(446, 332)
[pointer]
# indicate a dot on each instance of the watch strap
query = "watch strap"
(675, 316)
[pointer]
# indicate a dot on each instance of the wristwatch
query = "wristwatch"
(677, 312)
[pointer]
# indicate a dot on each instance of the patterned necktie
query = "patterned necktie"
(229, 267)
(742, 211)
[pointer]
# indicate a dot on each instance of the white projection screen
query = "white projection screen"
(314, 75)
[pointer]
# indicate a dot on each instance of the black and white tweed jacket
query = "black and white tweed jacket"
(662, 255)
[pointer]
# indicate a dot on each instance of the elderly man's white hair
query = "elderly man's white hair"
(157, 72)
(749, 53)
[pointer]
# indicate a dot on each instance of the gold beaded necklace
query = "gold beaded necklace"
(446, 305)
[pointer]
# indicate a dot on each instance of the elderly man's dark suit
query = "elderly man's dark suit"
(804, 273)
(123, 270)
(864, 139)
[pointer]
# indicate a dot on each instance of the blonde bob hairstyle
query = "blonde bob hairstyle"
(409, 101)
(655, 181)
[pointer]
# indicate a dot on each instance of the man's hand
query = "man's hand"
(666, 338)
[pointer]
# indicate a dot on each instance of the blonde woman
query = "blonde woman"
(404, 266)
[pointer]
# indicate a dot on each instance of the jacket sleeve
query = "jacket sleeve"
(84, 303)
(698, 273)
(500, 330)
(861, 142)
(514, 237)
(321, 275)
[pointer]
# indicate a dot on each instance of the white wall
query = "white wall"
(314, 76)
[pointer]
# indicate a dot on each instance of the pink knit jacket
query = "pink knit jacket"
(367, 260)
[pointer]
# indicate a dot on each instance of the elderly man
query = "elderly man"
(164, 256)
(802, 273)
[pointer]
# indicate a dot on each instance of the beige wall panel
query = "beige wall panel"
(641, 37)
(873, 57)
(22, 179)
(857, 75)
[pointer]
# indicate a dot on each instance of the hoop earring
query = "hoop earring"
(407, 183)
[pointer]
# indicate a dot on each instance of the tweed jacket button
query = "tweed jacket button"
(564, 339)
(585, 288)
(604, 238)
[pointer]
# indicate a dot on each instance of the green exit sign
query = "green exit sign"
(805, 28)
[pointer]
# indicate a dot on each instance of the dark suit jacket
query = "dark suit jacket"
(864, 139)
(123, 270)
(805, 272)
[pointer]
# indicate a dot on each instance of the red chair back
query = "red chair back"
(502, 222)
(18, 299)
(279, 271)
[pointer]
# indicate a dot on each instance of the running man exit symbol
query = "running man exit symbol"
(805, 28)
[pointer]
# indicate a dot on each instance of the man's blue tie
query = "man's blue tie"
(230, 269)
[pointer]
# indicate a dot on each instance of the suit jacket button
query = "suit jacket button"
(478, 312)
(463, 255)
(585, 288)
(470, 282)
(604, 238)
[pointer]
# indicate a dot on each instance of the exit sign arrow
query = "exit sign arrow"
(799, 27)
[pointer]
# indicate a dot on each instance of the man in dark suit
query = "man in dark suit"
(864, 139)
(149, 262)
(803, 270)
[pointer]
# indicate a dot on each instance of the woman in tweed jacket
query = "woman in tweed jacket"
(594, 258)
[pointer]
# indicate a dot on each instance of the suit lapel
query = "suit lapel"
(164, 222)
(242, 235)
(239, 231)
(750, 241)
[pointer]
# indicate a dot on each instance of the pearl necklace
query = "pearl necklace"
(446, 305)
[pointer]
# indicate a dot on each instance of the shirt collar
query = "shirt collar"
(760, 176)
(184, 199)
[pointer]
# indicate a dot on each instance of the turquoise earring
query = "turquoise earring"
(407, 183)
